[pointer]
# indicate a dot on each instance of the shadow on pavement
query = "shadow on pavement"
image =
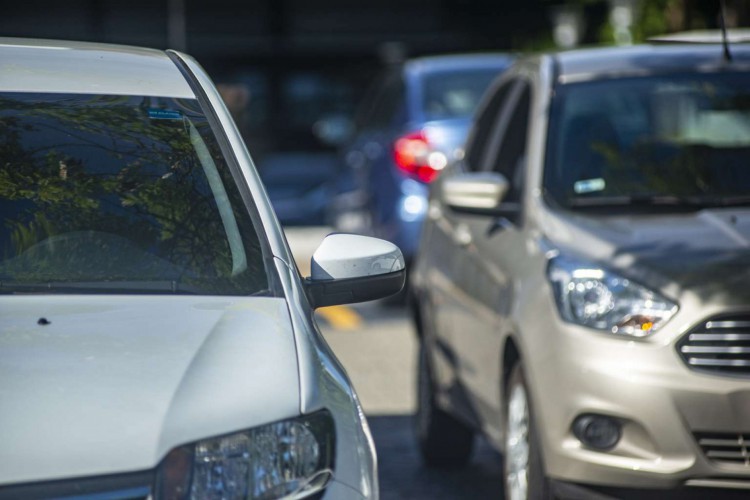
(402, 475)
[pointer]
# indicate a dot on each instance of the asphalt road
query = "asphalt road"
(380, 355)
(378, 347)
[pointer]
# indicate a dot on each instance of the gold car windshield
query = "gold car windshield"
(125, 194)
(670, 140)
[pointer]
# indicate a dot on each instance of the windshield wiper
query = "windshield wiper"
(730, 201)
(666, 201)
(125, 287)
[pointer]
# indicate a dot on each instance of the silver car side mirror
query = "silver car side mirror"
(349, 268)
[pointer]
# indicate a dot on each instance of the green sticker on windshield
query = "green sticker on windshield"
(164, 114)
(589, 186)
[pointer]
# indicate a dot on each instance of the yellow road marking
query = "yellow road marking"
(341, 317)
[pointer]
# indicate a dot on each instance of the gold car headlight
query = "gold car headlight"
(592, 296)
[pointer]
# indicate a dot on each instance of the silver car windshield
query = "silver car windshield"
(661, 140)
(125, 194)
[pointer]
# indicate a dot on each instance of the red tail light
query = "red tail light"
(415, 156)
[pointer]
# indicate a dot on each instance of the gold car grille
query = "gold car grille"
(720, 345)
(725, 448)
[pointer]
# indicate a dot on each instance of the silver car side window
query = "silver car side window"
(499, 127)
(480, 135)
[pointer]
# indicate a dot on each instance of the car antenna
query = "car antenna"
(724, 37)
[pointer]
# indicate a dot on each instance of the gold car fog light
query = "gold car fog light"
(597, 431)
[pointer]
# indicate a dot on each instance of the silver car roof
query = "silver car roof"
(88, 68)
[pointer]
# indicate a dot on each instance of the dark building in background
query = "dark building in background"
(285, 65)
(262, 28)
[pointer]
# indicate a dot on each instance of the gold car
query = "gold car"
(581, 288)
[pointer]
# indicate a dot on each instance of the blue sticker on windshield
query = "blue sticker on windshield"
(164, 114)
(589, 186)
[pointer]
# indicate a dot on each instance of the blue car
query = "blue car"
(411, 126)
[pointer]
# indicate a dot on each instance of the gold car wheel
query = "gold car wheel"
(517, 445)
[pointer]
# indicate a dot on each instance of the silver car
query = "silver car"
(156, 339)
(581, 287)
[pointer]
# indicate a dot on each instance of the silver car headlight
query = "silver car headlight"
(591, 296)
(292, 459)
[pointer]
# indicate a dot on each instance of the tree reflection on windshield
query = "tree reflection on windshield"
(111, 188)
(667, 137)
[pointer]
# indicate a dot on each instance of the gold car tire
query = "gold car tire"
(523, 468)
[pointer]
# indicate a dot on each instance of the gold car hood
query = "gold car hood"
(705, 252)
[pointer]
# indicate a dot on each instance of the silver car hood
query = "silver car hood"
(707, 252)
(112, 383)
